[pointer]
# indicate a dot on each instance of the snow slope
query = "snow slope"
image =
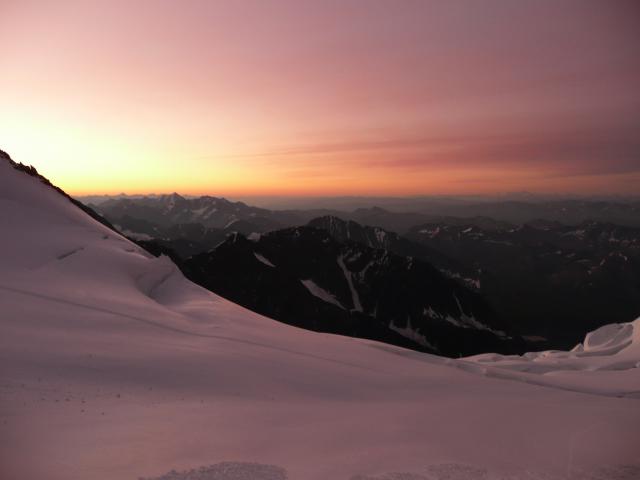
(113, 366)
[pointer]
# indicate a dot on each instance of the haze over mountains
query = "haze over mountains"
(517, 209)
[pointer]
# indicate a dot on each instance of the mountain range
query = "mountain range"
(547, 281)
(552, 280)
(398, 215)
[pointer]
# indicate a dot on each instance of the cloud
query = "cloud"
(604, 150)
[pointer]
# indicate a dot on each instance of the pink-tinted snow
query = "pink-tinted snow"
(114, 367)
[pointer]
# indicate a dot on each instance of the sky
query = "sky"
(325, 98)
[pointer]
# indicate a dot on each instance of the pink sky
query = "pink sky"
(308, 98)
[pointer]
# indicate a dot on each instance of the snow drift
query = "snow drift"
(606, 363)
(113, 366)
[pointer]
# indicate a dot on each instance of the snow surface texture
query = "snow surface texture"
(608, 362)
(114, 367)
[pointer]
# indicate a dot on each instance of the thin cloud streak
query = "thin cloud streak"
(570, 153)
